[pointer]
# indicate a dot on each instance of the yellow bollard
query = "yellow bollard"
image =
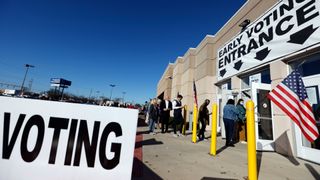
(213, 147)
(194, 128)
(251, 138)
(184, 127)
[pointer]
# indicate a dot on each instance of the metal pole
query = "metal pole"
(90, 94)
(123, 93)
(25, 76)
(112, 86)
(251, 138)
(213, 147)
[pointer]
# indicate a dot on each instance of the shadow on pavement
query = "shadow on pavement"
(221, 149)
(314, 172)
(212, 178)
(284, 149)
(291, 159)
(259, 161)
(148, 142)
(147, 173)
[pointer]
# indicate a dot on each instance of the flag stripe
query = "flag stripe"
(304, 105)
(292, 98)
(292, 107)
(294, 116)
(278, 101)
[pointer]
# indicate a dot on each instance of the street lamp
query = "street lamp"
(25, 75)
(97, 94)
(123, 93)
(112, 86)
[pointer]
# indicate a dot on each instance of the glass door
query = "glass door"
(263, 117)
(305, 149)
(225, 94)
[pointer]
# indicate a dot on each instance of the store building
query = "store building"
(247, 61)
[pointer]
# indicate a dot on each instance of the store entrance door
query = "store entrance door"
(263, 117)
(305, 149)
(222, 101)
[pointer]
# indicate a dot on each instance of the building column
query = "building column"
(283, 128)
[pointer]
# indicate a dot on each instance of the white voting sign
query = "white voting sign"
(54, 140)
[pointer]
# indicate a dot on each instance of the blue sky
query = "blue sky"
(100, 42)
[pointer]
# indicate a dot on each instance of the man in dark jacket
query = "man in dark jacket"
(203, 117)
(165, 108)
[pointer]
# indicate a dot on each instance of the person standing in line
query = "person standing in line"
(165, 108)
(158, 121)
(153, 115)
(148, 104)
(177, 115)
(230, 115)
(241, 123)
(203, 117)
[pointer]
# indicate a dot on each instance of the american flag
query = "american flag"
(195, 93)
(291, 97)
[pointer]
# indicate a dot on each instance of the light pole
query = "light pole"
(112, 86)
(123, 93)
(25, 75)
(97, 94)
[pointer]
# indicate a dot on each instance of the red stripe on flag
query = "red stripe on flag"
(308, 122)
(293, 107)
(295, 99)
(284, 109)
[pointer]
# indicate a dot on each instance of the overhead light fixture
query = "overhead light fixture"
(244, 24)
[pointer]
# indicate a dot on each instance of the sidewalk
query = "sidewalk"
(169, 157)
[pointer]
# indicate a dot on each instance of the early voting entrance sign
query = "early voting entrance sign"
(288, 27)
(53, 140)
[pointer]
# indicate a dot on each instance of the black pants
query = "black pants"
(229, 126)
(202, 128)
(177, 120)
(165, 120)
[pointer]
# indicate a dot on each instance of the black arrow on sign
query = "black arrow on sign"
(238, 65)
(262, 54)
(302, 36)
(223, 72)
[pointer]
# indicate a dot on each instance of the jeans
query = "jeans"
(229, 126)
(151, 124)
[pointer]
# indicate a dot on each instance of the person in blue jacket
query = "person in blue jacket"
(230, 116)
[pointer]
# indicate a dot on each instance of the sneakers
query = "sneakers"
(175, 135)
